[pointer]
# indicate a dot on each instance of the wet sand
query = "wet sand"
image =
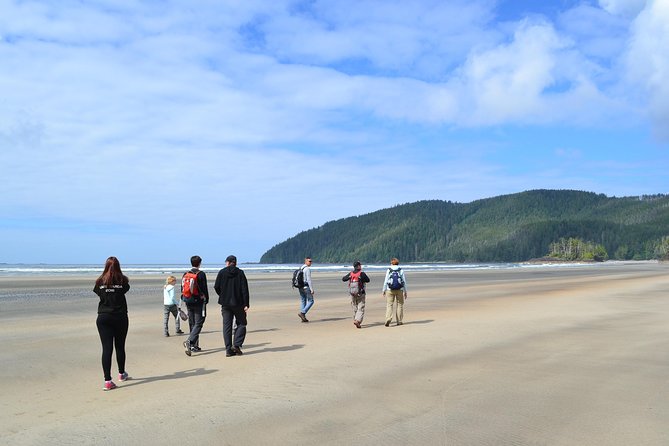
(550, 356)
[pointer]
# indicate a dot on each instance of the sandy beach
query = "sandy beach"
(540, 356)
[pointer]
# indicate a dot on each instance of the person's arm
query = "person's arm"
(346, 278)
(364, 277)
(217, 283)
(404, 283)
(245, 292)
(385, 281)
(307, 279)
(202, 286)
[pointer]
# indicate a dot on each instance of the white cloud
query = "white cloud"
(648, 61)
(629, 8)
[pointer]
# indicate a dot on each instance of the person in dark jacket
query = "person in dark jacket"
(356, 285)
(197, 306)
(112, 321)
(233, 296)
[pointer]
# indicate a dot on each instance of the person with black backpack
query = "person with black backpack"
(302, 281)
(395, 292)
(356, 289)
(195, 294)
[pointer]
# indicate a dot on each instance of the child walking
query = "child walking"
(171, 305)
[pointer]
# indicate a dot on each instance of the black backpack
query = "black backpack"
(298, 278)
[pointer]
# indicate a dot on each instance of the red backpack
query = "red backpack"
(355, 286)
(189, 285)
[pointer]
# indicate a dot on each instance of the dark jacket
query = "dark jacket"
(364, 278)
(201, 288)
(232, 287)
(112, 298)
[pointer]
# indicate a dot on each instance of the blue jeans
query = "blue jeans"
(307, 300)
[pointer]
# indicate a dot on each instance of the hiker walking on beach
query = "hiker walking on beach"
(112, 321)
(306, 290)
(356, 287)
(195, 294)
(233, 297)
(395, 292)
(170, 306)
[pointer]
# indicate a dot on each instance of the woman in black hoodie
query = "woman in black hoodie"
(112, 320)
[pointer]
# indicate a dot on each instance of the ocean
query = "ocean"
(11, 270)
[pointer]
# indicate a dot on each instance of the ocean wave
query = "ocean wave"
(258, 268)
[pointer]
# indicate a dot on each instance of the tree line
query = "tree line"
(507, 228)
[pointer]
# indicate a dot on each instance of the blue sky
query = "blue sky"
(155, 130)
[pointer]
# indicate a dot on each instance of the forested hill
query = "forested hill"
(507, 228)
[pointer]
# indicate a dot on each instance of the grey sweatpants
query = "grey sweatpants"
(173, 310)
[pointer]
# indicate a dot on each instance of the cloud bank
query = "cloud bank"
(117, 115)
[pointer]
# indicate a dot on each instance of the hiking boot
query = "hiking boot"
(238, 351)
(230, 353)
(180, 332)
(387, 324)
(123, 376)
(187, 347)
(356, 323)
(196, 348)
(167, 335)
(109, 385)
(399, 323)
(302, 316)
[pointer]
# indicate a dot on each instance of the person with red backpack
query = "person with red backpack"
(195, 294)
(356, 288)
(395, 292)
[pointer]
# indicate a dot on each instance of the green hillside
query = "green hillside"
(507, 228)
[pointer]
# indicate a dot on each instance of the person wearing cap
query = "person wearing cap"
(233, 297)
(307, 291)
(358, 296)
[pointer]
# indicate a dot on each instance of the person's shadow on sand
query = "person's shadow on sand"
(133, 381)
(425, 321)
(286, 348)
(377, 324)
(332, 319)
(260, 330)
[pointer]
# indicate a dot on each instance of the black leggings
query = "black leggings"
(113, 329)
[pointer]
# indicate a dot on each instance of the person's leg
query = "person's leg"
(303, 304)
(360, 313)
(227, 328)
(191, 322)
(400, 307)
(199, 323)
(390, 299)
(240, 331)
(120, 333)
(166, 318)
(106, 333)
(309, 301)
(303, 300)
(177, 320)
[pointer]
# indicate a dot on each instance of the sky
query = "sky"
(156, 130)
